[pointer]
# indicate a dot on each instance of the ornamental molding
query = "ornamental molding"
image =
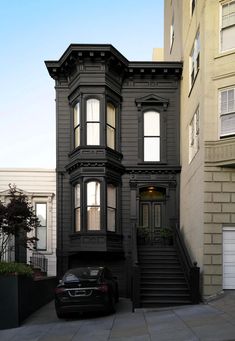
(151, 99)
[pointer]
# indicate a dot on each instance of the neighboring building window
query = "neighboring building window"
(77, 205)
(194, 60)
(111, 126)
(194, 135)
(41, 232)
(93, 121)
(93, 205)
(227, 33)
(227, 112)
(76, 120)
(151, 136)
(172, 32)
(111, 207)
(193, 4)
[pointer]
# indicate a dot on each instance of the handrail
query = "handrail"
(191, 270)
(135, 270)
(38, 260)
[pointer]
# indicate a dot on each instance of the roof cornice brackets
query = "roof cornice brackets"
(151, 100)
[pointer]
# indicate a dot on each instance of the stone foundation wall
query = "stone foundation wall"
(219, 211)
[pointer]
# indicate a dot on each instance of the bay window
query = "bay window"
(93, 122)
(227, 112)
(151, 136)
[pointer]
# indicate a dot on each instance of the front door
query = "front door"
(151, 215)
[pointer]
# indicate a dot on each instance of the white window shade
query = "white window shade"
(228, 38)
(227, 112)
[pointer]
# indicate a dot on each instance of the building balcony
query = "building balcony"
(221, 152)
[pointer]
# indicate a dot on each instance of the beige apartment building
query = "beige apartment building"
(201, 33)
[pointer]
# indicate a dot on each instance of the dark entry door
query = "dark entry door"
(150, 222)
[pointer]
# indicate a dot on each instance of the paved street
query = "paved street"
(213, 321)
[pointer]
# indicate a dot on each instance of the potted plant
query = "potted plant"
(166, 235)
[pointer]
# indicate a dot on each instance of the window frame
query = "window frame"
(194, 60)
(112, 208)
(77, 208)
(95, 206)
(76, 127)
(172, 32)
(224, 114)
(148, 136)
(87, 122)
(194, 130)
(110, 126)
(45, 227)
(223, 28)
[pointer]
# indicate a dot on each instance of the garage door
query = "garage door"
(228, 258)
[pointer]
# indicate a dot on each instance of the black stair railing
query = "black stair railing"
(38, 260)
(135, 271)
(191, 270)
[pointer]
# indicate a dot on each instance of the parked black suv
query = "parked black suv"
(86, 289)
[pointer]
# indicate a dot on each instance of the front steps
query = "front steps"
(162, 280)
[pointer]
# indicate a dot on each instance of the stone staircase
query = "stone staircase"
(162, 280)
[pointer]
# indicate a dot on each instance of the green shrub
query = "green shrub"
(15, 268)
(166, 232)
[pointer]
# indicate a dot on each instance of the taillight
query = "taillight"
(103, 287)
(59, 290)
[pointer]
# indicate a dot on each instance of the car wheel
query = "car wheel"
(59, 314)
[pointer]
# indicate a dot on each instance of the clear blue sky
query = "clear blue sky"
(32, 31)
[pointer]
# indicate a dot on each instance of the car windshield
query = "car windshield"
(81, 274)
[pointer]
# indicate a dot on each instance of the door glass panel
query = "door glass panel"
(145, 215)
(157, 215)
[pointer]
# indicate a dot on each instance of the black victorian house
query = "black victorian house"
(118, 171)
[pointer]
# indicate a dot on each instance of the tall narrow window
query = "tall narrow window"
(111, 126)
(41, 233)
(227, 32)
(77, 208)
(151, 136)
(93, 205)
(93, 121)
(172, 32)
(193, 4)
(194, 135)
(111, 207)
(194, 59)
(227, 112)
(76, 120)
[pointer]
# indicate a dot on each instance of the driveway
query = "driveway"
(213, 321)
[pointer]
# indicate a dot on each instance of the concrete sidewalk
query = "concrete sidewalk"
(213, 321)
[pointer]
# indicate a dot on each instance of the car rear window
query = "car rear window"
(81, 273)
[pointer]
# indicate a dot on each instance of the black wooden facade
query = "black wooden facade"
(138, 188)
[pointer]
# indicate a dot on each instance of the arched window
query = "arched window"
(111, 125)
(151, 136)
(77, 208)
(76, 125)
(93, 205)
(93, 122)
(111, 207)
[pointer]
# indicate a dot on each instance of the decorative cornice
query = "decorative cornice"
(77, 53)
(151, 99)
